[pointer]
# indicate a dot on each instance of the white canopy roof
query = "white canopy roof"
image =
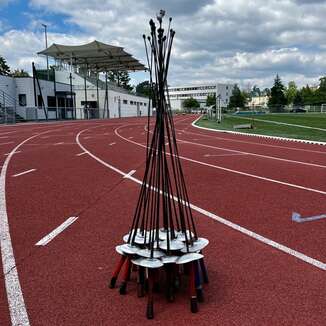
(95, 55)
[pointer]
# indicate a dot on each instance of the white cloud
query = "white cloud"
(228, 40)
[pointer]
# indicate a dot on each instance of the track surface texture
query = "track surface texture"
(264, 268)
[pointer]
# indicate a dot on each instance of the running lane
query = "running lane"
(65, 282)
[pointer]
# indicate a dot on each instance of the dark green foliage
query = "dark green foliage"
(277, 100)
(211, 100)
(20, 73)
(237, 99)
(4, 68)
(144, 88)
(121, 78)
(298, 99)
(190, 103)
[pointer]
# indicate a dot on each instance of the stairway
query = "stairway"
(8, 106)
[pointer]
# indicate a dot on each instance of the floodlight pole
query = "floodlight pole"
(46, 46)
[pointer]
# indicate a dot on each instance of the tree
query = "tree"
(277, 99)
(121, 78)
(237, 99)
(190, 103)
(144, 88)
(4, 68)
(255, 91)
(298, 99)
(320, 94)
(19, 73)
(211, 100)
(308, 95)
(291, 92)
(266, 92)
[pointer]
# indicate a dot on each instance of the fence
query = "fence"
(12, 114)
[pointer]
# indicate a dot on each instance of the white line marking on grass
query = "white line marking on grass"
(128, 175)
(7, 154)
(112, 144)
(233, 171)
(296, 217)
(44, 241)
(219, 219)
(17, 308)
(9, 142)
(283, 123)
(260, 136)
(254, 154)
(80, 154)
(22, 173)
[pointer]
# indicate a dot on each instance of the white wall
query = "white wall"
(7, 84)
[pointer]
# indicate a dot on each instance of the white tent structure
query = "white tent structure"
(94, 57)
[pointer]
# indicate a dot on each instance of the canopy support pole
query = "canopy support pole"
(85, 106)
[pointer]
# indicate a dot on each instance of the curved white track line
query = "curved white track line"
(249, 142)
(246, 153)
(17, 308)
(254, 154)
(217, 218)
(231, 170)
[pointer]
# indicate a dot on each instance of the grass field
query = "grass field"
(273, 129)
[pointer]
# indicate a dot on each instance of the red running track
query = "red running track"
(252, 283)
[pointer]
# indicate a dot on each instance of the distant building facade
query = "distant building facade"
(200, 92)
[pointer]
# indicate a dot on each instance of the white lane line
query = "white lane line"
(131, 137)
(112, 144)
(296, 217)
(253, 154)
(9, 142)
(129, 174)
(44, 241)
(4, 137)
(88, 137)
(232, 154)
(234, 171)
(7, 154)
(219, 219)
(58, 143)
(80, 154)
(22, 173)
(15, 298)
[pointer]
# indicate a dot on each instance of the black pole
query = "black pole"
(97, 94)
(34, 85)
(71, 96)
(85, 91)
(55, 94)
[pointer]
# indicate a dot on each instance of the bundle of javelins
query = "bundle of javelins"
(162, 244)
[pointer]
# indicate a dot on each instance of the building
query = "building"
(200, 92)
(114, 103)
(257, 102)
(22, 98)
(26, 99)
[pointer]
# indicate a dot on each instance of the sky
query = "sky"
(240, 41)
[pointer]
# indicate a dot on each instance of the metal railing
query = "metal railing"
(7, 108)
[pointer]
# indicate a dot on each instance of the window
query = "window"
(22, 99)
(125, 102)
(51, 102)
(131, 102)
